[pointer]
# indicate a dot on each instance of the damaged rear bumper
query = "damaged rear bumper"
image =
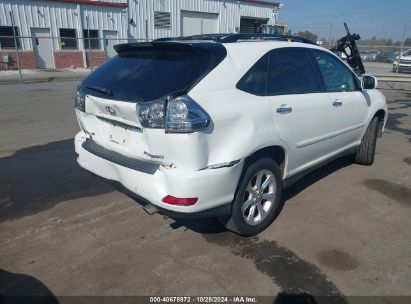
(214, 188)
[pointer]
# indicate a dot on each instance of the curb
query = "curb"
(393, 75)
(43, 79)
(393, 78)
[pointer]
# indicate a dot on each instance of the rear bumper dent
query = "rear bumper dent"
(214, 188)
(114, 157)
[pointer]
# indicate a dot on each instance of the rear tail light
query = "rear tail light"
(151, 114)
(171, 200)
(182, 115)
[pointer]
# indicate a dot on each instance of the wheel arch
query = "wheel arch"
(381, 114)
(276, 152)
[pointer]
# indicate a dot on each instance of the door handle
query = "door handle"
(337, 103)
(284, 109)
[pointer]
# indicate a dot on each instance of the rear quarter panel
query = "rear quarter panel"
(241, 124)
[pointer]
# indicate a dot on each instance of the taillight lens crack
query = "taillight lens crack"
(178, 115)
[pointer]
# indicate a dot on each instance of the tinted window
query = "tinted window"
(298, 72)
(337, 77)
(276, 82)
(255, 80)
(149, 73)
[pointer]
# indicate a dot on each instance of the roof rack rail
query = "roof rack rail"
(230, 38)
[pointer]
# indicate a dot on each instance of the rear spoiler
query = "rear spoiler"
(213, 48)
(348, 46)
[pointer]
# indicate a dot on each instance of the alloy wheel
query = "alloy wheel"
(259, 197)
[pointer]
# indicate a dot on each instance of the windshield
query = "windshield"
(407, 53)
(150, 73)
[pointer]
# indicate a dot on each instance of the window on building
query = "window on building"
(162, 20)
(251, 25)
(92, 42)
(68, 39)
(7, 37)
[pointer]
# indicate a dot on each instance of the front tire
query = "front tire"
(258, 199)
(366, 151)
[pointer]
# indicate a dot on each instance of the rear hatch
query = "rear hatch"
(141, 73)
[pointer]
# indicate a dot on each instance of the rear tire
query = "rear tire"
(366, 151)
(258, 199)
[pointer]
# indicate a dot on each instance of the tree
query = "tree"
(308, 35)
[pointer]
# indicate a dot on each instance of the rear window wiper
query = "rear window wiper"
(100, 90)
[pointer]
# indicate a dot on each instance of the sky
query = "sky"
(381, 18)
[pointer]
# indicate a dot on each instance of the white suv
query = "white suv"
(404, 64)
(206, 128)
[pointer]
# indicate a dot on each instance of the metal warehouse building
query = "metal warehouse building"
(66, 33)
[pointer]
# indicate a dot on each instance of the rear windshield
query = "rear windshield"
(149, 73)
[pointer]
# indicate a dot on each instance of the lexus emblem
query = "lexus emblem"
(111, 111)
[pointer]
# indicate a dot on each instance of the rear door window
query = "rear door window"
(149, 73)
(276, 80)
(281, 72)
(298, 72)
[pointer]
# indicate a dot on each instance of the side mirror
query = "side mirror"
(369, 82)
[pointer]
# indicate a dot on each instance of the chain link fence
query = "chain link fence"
(41, 51)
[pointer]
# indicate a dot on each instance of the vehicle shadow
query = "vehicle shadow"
(317, 175)
(22, 288)
(37, 178)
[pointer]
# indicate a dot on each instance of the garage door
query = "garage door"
(195, 23)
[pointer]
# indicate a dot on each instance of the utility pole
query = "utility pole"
(16, 46)
(331, 34)
(89, 42)
(129, 18)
